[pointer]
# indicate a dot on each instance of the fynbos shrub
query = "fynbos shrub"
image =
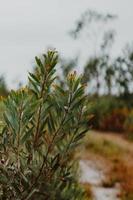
(44, 123)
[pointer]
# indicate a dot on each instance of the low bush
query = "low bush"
(129, 125)
(109, 113)
(44, 123)
(115, 120)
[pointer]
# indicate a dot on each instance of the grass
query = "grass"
(102, 146)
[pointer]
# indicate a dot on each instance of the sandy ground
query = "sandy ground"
(95, 168)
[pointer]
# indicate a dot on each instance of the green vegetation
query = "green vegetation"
(109, 113)
(3, 87)
(103, 146)
(129, 125)
(43, 125)
(2, 109)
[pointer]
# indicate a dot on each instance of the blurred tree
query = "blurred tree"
(98, 68)
(103, 72)
(124, 71)
(121, 79)
(3, 86)
(88, 20)
(108, 66)
(128, 61)
(92, 72)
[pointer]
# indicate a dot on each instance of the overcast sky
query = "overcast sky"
(28, 27)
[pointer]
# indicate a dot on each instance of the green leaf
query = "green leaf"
(39, 63)
(34, 190)
(27, 135)
(34, 78)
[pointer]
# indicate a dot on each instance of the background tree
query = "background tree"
(3, 86)
(98, 68)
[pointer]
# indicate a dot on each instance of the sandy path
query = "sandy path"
(94, 175)
(95, 168)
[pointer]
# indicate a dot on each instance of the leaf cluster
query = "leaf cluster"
(44, 123)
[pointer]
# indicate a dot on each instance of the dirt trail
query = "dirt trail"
(94, 175)
(95, 168)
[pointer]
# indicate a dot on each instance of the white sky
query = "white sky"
(28, 27)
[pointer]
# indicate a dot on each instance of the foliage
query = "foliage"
(66, 66)
(92, 71)
(87, 21)
(129, 124)
(44, 123)
(102, 107)
(115, 120)
(111, 113)
(3, 87)
(2, 108)
(104, 73)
